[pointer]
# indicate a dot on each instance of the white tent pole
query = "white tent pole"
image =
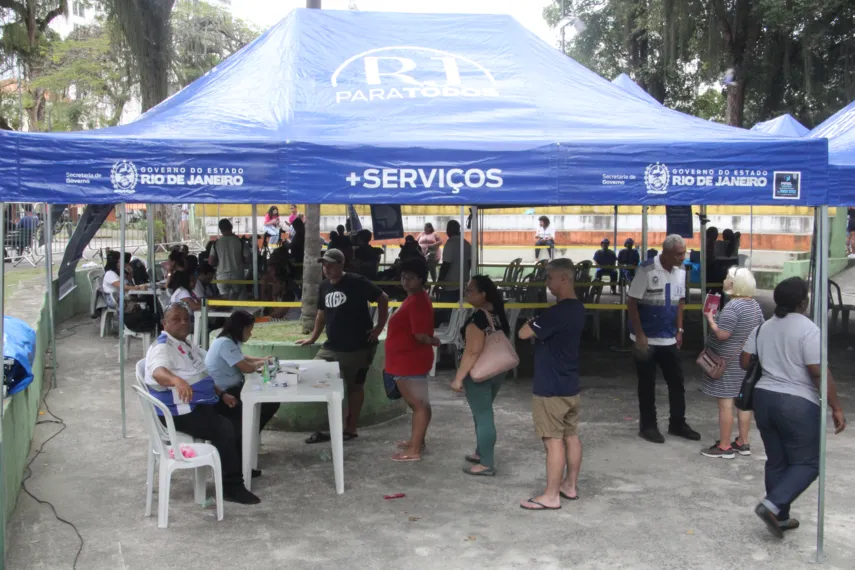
(255, 251)
(473, 246)
(751, 232)
(704, 262)
(643, 255)
(123, 209)
(822, 261)
(48, 231)
(3, 385)
(152, 270)
(462, 255)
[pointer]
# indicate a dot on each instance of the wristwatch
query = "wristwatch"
(681, 331)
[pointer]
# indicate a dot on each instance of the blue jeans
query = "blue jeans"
(789, 426)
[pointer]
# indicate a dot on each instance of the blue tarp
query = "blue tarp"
(19, 344)
(839, 129)
(626, 83)
(785, 125)
(355, 107)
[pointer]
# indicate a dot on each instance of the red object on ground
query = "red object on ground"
(395, 496)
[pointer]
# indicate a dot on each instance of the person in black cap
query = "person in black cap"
(351, 334)
(605, 257)
(628, 256)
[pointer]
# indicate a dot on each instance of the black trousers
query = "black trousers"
(668, 359)
(268, 410)
(205, 422)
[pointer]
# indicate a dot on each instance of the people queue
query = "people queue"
(203, 391)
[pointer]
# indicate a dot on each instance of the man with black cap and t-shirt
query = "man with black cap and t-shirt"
(606, 258)
(351, 335)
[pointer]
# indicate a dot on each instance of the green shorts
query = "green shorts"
(353, 366)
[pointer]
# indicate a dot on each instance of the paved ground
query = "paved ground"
(643, 506)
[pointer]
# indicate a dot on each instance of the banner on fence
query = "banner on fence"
(678, 220)
(387, 222)
(90, 222)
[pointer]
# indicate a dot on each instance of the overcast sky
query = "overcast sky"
(265, 13)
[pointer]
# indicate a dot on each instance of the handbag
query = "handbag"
(497, 356)
(391, 386)
(711, 363)
(745, 399)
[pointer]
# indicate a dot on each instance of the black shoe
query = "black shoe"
(685, 432)
(717, 452)
(239, 494)
(652, 434)
(256, 473)
(770, 519)
(789, 524)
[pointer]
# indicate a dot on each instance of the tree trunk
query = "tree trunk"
(312, 270)
(735, 103)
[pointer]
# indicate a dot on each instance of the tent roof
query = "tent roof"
(626, 83)
(361, 107)
(839, 129)
(785, 126)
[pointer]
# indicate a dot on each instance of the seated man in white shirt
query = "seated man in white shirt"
(175, 374)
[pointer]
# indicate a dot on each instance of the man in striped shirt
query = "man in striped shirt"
(655, 307)
(175, 374)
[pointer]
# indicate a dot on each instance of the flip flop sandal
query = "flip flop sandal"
(347, 436)
(318, 437)
(540, 506)
(568, 497)
(488, 472)
(403, 457)
(472, 458)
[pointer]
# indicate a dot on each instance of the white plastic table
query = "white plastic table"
(319, 382)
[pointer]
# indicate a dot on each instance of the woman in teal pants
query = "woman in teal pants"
(483, 295)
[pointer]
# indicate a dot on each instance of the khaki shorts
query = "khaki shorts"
(555, 417)
(353, 366)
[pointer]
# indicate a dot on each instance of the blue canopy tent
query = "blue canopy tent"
(626, 83)
(377, 108)
(839, 129)
(403, 108)
(785, 126)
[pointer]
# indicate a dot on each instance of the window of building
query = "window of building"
(78, 9)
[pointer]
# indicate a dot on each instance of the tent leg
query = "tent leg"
(255, 251)
(822, 295)
(49, 280)
(150, 250)
(751, 236)
(643, 255)
(476, 241)
(462, 256)
(704, 262)
(122, 316)
(2, 387)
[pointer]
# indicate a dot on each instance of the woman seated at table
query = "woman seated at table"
(227, 364)
(138, 317)
(183, 284)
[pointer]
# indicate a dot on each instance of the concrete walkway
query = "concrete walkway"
(643, 506)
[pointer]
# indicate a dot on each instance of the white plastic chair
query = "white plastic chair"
(180, 438)
(206, 456)
(449, 335)
(145, 337)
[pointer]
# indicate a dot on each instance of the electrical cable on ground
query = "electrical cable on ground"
(28, 472)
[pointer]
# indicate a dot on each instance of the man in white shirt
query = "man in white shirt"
(175, 374)
(655, 307)
(452, 265)
(228, 255)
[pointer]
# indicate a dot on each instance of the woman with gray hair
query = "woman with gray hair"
(728, 332)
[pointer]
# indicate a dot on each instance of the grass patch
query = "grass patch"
(14, 278)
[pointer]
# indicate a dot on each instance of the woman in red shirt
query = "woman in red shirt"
(409, 353)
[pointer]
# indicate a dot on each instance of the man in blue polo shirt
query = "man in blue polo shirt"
(555, 404)
(655, 307)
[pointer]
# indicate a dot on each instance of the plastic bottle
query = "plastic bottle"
(265, 372)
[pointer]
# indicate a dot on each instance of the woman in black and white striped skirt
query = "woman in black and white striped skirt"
(727, 335)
